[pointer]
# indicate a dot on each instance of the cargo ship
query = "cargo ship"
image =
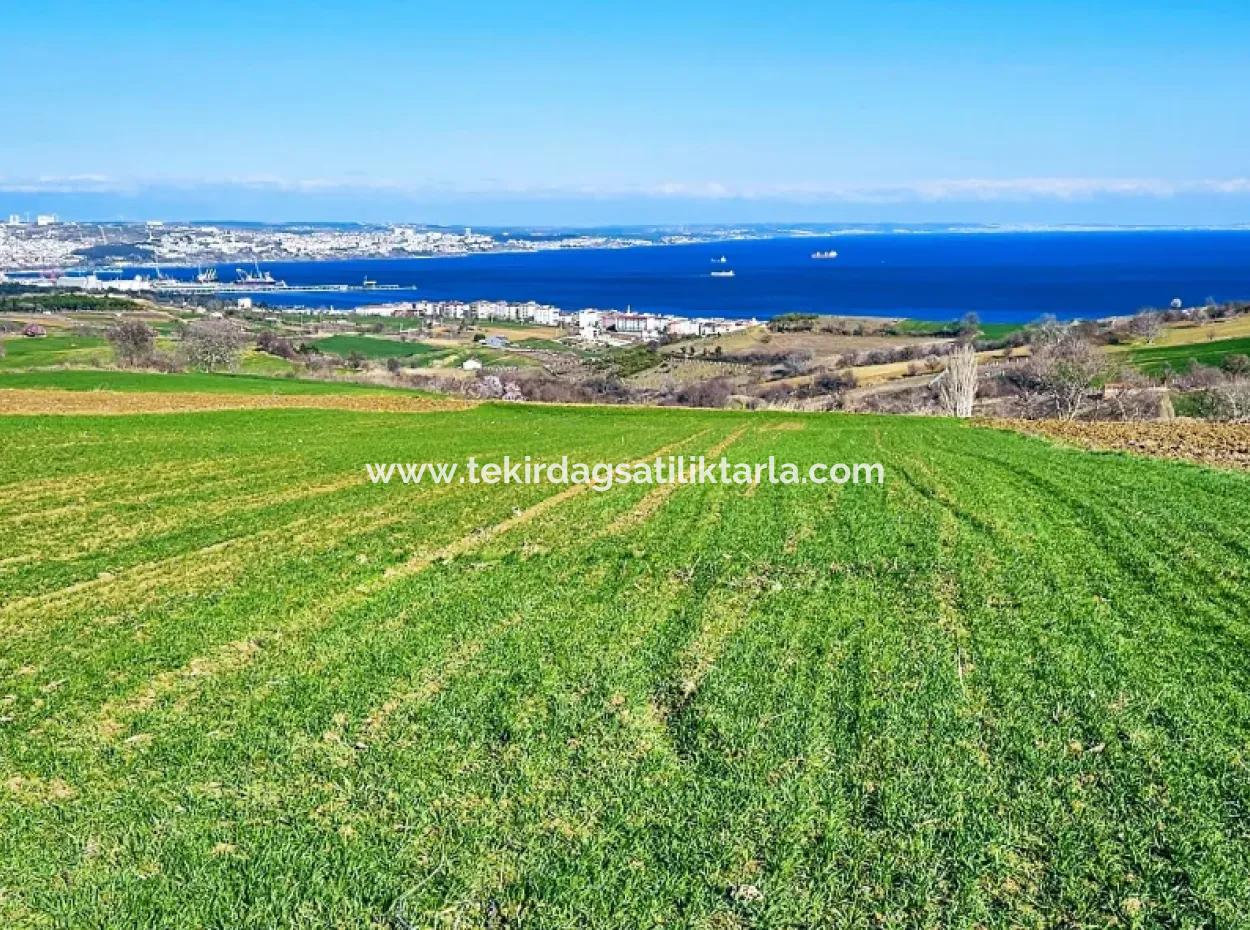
(256, 278)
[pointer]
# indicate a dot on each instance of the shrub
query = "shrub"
(1215, 395)
(1237, 364)
(133, 342)
(832, 382)
(212, 345)
(273, 344)
(793, 323)
(712, 393)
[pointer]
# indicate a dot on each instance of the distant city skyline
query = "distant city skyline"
(581, 114)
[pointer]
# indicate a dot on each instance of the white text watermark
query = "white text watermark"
(603, 476)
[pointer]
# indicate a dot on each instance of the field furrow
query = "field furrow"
(245, 687)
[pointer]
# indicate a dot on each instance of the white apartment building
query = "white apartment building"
(545, 315)
(683, 327)
(588, 323)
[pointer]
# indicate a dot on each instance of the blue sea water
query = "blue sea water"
(1003, 277)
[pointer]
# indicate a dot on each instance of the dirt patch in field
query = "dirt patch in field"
(1226, 445)
(35, 402)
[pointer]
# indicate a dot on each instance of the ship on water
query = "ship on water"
(830, 254)
(719, 261)
(256, 278)
(723, 274)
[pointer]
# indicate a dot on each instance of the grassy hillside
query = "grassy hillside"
(1156, 359)
(241, 687)
(1186, 333)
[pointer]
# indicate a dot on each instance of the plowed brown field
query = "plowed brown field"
(119, 402)
(1225, 445)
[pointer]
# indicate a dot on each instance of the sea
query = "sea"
(1003, 277)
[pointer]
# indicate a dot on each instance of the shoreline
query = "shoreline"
(796, 234)
(938, 283)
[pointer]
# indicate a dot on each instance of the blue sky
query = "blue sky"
(642, 112)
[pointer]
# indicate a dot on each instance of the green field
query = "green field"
(1158, 359)
(51, 351)
(372, 347)
(241, 687)
(417, 353)
(932, 328)
(254, 362)
(549, 345)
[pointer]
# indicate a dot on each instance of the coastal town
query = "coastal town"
(46, 242)
(591, 325)
(44, 253)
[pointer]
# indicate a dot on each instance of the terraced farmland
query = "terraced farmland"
(242, 687)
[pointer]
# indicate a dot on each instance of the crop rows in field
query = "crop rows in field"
(1008, 688)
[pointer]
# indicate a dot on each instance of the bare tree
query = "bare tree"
(1146, 324)
(1062, 375)
(795, 363)
(133, 342)
(957, 386)
(1219, 396)
(1132, 396)
(1045, 329)
(213, 344)
(1232, 400)
(969, 326)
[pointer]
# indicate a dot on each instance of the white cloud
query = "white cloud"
(967, 189)
(930, 191)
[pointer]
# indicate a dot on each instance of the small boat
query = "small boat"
(719, 261)
(830, 254)
(369, 282)
(723, 274)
